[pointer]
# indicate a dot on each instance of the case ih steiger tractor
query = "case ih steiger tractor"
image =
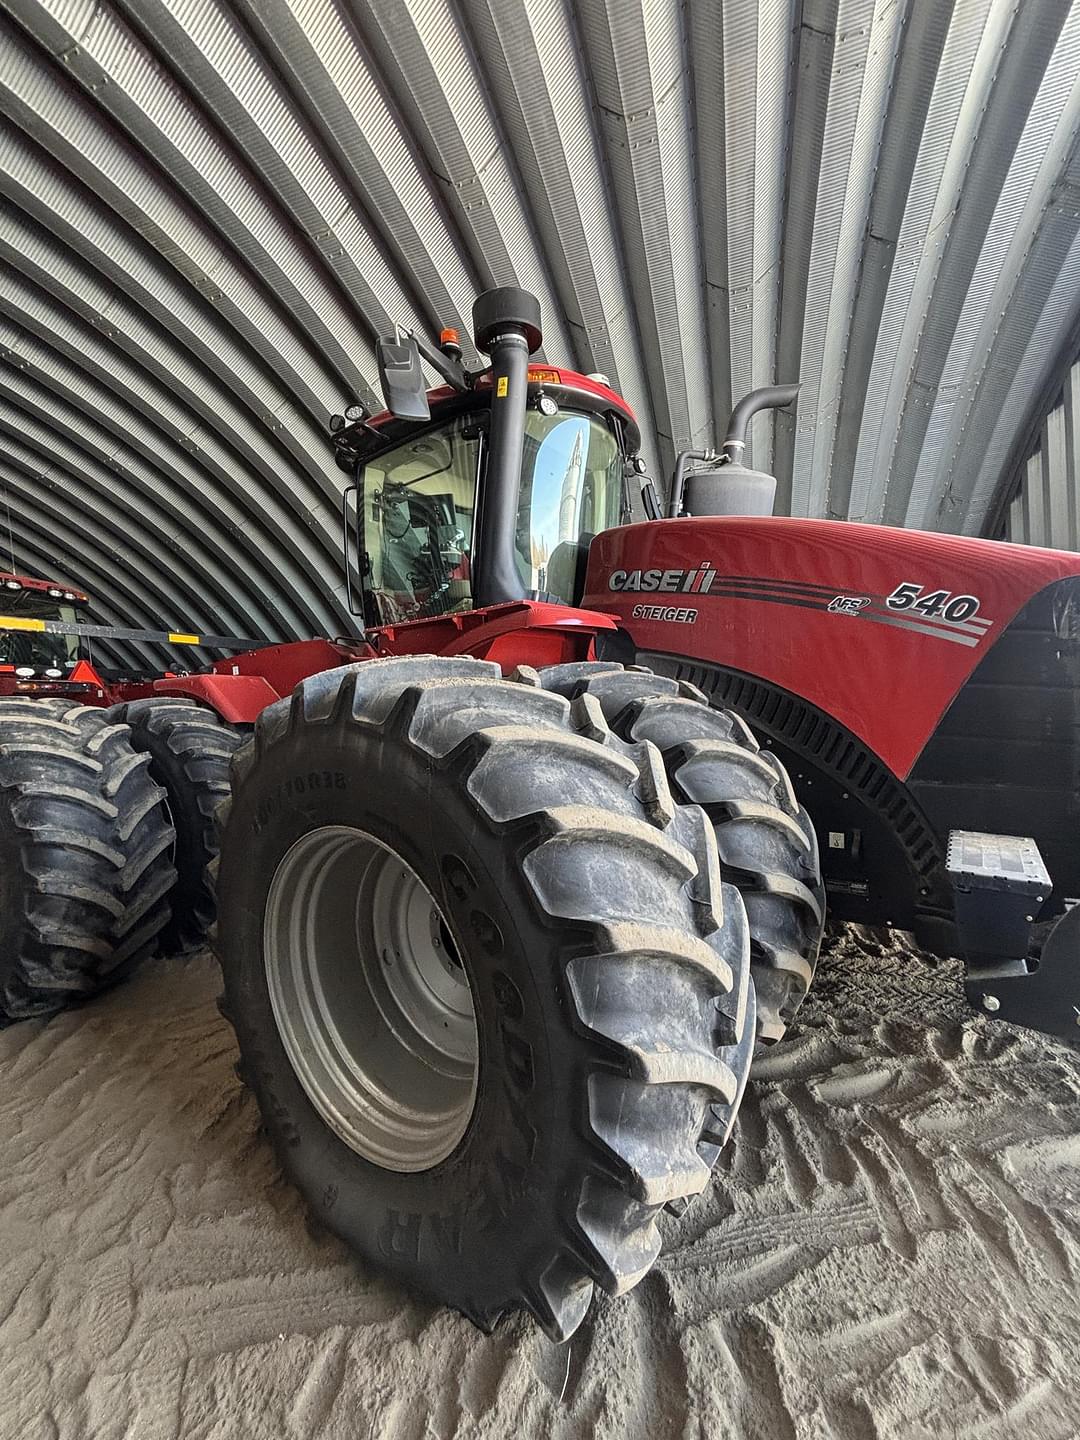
(509, 890)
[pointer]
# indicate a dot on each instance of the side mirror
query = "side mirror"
(402, 378)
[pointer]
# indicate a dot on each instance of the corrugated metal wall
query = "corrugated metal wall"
(1046, 507)
(209, 210)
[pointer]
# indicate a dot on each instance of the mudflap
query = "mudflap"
(1046, 998)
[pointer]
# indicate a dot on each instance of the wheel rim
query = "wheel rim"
(371, 1001)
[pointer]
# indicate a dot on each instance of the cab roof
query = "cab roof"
(575, 391)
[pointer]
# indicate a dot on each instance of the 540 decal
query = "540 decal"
(934, 604)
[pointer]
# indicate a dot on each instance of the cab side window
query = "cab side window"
(418, 502)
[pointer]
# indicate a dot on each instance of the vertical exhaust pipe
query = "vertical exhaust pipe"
(768, 397)
(506, 324)
(730, 489)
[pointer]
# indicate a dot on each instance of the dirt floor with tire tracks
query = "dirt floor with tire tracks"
(891, 1249)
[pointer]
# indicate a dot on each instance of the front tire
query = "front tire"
(597, 1043)
(767, 843)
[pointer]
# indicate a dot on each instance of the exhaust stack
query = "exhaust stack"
(729, 488)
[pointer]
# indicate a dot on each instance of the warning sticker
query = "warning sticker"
(501, 386)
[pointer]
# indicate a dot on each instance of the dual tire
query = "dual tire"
(107, 826)
(188, 749)
(487, 944)
(766, 840)
(86, 867)
(417, 843)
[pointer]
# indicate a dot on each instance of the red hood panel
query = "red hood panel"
(805, 604)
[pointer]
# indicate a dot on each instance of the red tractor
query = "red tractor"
(34, 658)
(509, 889)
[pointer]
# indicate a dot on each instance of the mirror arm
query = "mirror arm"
(353, 489)
(452, 371)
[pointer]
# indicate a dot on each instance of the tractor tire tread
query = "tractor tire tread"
(765, 840)
(85, 840)
(189, 748)
(661, 924)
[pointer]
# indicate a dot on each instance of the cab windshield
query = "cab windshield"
(35, 648)
(418, 511)
(571, 489)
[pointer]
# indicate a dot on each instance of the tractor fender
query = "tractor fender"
(238, 699)
(521, 632)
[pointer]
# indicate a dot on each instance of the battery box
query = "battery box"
(1000, 884)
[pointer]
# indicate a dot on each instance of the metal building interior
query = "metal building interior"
(210, 211)
(467, 1089)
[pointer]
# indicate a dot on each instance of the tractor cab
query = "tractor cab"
(493, 487)
(414, 506)
(444, 515)
(28, 651)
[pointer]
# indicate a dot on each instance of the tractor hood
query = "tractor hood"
(877, 627)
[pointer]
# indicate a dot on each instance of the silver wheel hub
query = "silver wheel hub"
(371, 1001)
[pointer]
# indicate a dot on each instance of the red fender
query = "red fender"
(238, 699)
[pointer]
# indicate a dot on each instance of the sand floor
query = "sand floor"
(891, 1249)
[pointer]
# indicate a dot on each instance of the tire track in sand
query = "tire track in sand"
(892, 1239)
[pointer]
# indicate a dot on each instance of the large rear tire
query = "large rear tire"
(85, 867)
(189, 748)
(766, 840)
(488, 987)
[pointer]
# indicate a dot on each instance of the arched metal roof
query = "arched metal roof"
(1045, 510)
(209, 210)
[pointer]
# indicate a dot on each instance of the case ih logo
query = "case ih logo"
(665, 582)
